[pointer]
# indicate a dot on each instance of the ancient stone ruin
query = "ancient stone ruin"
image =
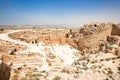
(4, 70)
(39, 55)
(90, 35)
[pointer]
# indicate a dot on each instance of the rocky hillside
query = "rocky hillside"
(40, 54)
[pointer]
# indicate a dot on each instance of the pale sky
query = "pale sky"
(58, 12)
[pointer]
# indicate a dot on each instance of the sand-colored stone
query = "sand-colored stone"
(5, 69)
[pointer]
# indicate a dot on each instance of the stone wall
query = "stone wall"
(54, 36)
(55, 39)
(4, 70)
(72, 42)
(93, 40)
(90, 34)
(115, 30)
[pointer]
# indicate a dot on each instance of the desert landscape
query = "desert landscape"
(59, 39)
(90, 52)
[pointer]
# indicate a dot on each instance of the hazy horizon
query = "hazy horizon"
(58, 12)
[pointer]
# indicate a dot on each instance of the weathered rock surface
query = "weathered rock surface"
(89, 35)
(5, 70)
(42, 35)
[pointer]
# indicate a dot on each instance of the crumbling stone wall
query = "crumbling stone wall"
(52, 36)
(115, 30)
(4, 70)
(54, 39)
(90, 35)
(93, 40)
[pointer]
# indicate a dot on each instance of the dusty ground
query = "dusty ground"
(55, 61)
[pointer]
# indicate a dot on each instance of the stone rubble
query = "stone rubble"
(50, 54)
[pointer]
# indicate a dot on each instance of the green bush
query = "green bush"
(57, 78)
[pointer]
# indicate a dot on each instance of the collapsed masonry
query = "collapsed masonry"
(49, 36)
(90, 35)
(5, 68)
(43, 35)
(87, 36)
